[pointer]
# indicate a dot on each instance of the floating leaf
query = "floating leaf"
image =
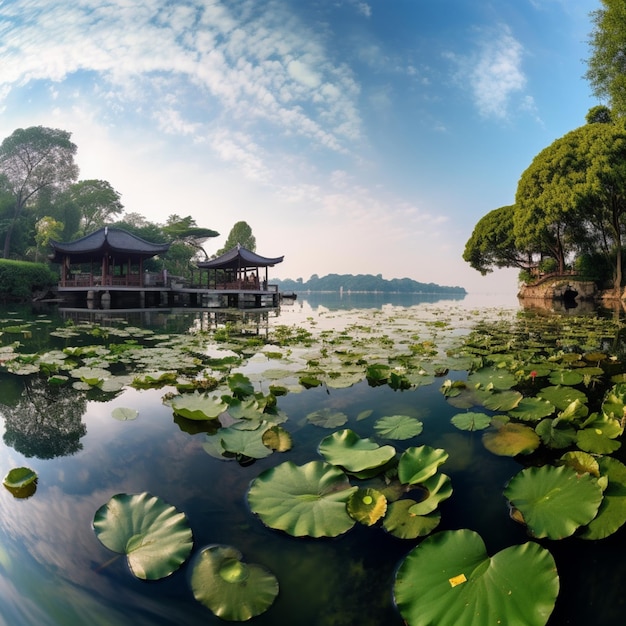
(532, 409)
(438, 488)
(198, 406)
(511, 439)
(231, 589)
(581, 463)
(155, 536)
(492, 378)
(21, 482)
(499, 400)
(247, 443)
(554, 501)
(367, 506)
(398, 427)
(401, 523)
(346, 449)
(240, 385)
(277, 438)
(327, 418)
(555, 434)
(418, 464)
(123, 414)
(562, 397)
(612, 512)
(565, 377)
(450, 580)
(471, 421)
(303, 500)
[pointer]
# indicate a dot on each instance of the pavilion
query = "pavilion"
(108, 257)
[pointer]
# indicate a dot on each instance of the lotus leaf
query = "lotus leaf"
(243, 442)
(565, 377)
(367, 506)
(556, 435)
(277, 438)
(554, 501)
(438, 488)
(511, 439)
(532, 410)
(124, 414)
(594, 440)
(303, 500)
(401, 523)
(232, 590)
(377, 374)
(471, 421)
(581, 463)
(417, 465)
(154, 535)
(327, 418)
(499, 400)
(492, 378)
(198, 406)
(240, 385)
(450, 580)
(614, 403)
(21, 482)
(398, 427)
(612, 512)
(308, 381)
(562, 397)
(346, 449)
(244, 409)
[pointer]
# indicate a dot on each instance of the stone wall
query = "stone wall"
(559, 289)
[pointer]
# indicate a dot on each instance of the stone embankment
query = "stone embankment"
(561, 287)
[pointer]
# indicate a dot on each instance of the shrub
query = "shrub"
(19, 279)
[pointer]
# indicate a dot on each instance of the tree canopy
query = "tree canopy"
(241, 234)
(606, 66)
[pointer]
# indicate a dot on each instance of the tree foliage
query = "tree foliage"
(31, 160)
(97, 202)
(241, 234)
(492, 243)
(606, 67)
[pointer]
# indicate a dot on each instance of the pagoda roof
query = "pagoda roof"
(239, 258)
(106, 240)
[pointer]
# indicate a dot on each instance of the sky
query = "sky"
(353, 136)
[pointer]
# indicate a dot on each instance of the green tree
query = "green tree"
(492, 243)
(31, 160)
(241, 234)
(46, 228)
(96, 201)
(599, 115)
(575, 190)
(185, 230)
(606, 67)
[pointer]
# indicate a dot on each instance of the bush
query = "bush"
(548, 265)
(19, 279)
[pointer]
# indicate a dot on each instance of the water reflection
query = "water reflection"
(45, 421)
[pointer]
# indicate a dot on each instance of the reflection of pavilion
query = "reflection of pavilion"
(106, 268)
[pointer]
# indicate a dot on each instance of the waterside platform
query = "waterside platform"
(96, 296)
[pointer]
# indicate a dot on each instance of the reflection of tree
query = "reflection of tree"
(46, 421)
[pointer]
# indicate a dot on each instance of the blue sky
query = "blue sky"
(353, 136)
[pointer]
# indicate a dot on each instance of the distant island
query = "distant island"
(364, 283)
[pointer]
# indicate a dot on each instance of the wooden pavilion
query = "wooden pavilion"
(109, 257)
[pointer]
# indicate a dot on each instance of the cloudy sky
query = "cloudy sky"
(353, 136)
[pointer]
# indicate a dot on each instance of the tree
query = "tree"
(599, 115)
(240, 234)
(46, 228)
(96, 201)
(492, 243)
(31, 160)
(606, 67)
(185, 230)
(575, 191)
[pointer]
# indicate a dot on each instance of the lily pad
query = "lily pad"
(398, 427)
(401, 523)
(21, 482)
(565, 377)
(417, 465)
(198, 406)
(346, 449)
(124, 414)
(327, 418)
(471, 421)
(511, 439)
(367, 506)
(498, 400)
(277, 438)
(492, 378)
(562, 397)
(307, 500)
(231, 589)
(438, 488)
(240, 385)
(554, 501)
(612, 512)
(532, 409)
(153, 534)
(450, 580)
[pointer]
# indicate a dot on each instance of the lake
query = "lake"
(55, 571)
